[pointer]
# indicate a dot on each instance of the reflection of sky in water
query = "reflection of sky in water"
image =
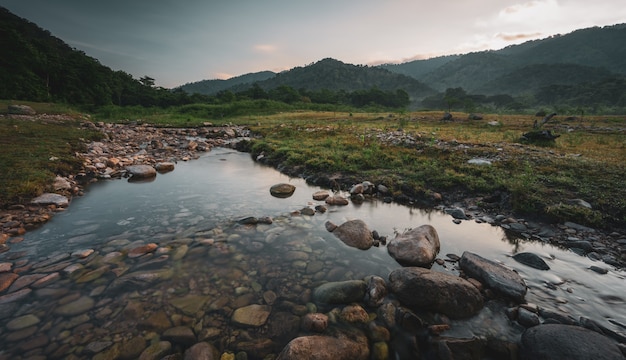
(226, 185)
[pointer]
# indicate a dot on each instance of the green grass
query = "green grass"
(585, 162)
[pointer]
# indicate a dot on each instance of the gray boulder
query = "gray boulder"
(340, 292)
(354, 233)
(424, 289)
(532, 260)
(556, 342)
(416, 247)
(499, 278)
(21, 110)
(51, 199)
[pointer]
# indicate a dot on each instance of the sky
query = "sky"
(182, 41)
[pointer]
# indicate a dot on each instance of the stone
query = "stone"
(337, 200)
(496, 276)
(319, 347)
(532, 260)
(189, 304)
(180, 335)
(141, 171)
(202, 351)
(556, 341)
(14, 296)
(76, 307)
(61, 183)
(6, 279)
(376, 291)
(164, 167)
(51, 199)
(416, 247)
(340, 292)
(22, 322)
(321, 195)
(456, 213)
(142, 250)
(282, 190)
(156, 351)
(424, 289)
(315, 322)
(354, 314)
(132, 348)
(252, 315)
(354, 233)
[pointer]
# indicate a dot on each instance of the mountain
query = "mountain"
(331, 74)
(582, 56)
(211, 87)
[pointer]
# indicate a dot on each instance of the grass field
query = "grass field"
(585, 162)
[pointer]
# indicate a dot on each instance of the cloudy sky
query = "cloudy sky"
(181, 41)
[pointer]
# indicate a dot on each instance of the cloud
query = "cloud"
(223, 75)
(265, 48)
(535, 11)
(518, 37)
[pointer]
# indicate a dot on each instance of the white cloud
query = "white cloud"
(265, 48)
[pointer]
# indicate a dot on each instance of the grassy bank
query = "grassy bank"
(414, 154)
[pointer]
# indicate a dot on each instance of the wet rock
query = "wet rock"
(22, 322)
(164, 167)
(156, 321)
(321, 195)
(14, 296)
(354, 233)
(340, 292)
(337, 200)
(180, 335)
(190, 304)
(156, 351)
(76, 307)
(318, 347)
(142, 250)
(527, 318)
(316, 322)
(555, 341)
(252, 315)
(376, 291)
(354, 314)
(416, 247)
(51, 199)
(532, 260)
(420, 289)
(282, 190)
(132, 348)
(202, 351)
(456, 213)
(499, 278)
(141, 171)
(6, 279)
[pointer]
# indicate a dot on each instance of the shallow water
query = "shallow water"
(201, 201)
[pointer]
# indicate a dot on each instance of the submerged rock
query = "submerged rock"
(501, 279)
(556, 341)
(424, 289)
(416, 247)
(326, 348)
(340, 292)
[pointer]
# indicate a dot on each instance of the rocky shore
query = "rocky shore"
(270, 288)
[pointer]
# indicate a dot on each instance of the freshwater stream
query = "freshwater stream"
(192, 213)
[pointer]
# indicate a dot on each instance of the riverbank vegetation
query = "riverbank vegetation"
(415, 154)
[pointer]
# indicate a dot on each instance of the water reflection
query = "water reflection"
(196, 207)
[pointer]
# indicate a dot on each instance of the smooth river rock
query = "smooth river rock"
(252, 315)
(141, 171)
(282, 190)
(340, 292)
(496, 276)
(567, 342)
(532, 260)
(354, 233)
(416, 247)
(424, 289)
(319, 347)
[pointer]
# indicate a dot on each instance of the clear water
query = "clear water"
(224, 186)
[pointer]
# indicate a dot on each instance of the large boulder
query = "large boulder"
(416, 247)
(21, 110)
(354, 233)
(557, 341)
(51, 199)
(424, 289)
(317, 347)
(496, 276)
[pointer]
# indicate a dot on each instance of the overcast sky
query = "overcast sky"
(181, 41)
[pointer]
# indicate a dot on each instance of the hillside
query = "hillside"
(211, 87)
(595, 52)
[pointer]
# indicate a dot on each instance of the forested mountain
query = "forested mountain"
(37, 66)
(599, 52)
(210, 87)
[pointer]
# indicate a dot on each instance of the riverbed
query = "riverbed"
(209, 261)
